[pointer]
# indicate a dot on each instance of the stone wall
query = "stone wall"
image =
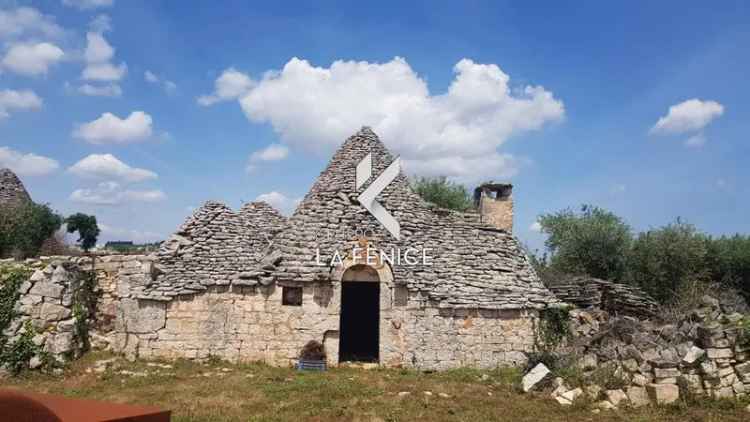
(46, 298)
(588, 292)
(51, 309)
(251, 324)
(702, 353)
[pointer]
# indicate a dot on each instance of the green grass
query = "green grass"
(255, 392)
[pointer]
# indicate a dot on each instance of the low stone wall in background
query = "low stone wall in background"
(71, 303)
(703, 353)
(50, 315)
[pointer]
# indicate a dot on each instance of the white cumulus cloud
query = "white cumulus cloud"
(456, 133)
(536, 227)
(688, 116)
(696, 141)
(111, 90)
(26, 164)
(112, 193)
(167, 85)
(88, 4)
(32, 59)
(99, 54)
(27, 21)
(232, 84)
(110, 129)
(12, 100)
(109, 167)
(137, 236)
(273, 152)
(281, 202)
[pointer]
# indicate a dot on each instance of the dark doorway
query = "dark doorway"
(360, 321)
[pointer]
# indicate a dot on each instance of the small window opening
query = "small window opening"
(291, 296)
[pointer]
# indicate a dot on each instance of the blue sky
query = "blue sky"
(562, 100)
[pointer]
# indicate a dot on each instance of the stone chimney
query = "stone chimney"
(495, 204)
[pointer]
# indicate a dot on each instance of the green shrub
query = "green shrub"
(554, 327)
(593, 242)
(24, 228)
(664, 260)
(443, 193)
(729, 261)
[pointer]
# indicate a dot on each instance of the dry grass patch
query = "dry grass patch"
(217, 391)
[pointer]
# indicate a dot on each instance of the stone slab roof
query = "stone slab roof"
(12, 191)
(215, 246)
(473, 264)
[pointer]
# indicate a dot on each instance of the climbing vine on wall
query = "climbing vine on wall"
(11, 278)
(84, 307)
(14, 355)
(554, 327)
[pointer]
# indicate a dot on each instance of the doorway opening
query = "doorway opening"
(360, 321)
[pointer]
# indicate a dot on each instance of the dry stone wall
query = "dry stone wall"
(50, 310)
(588, 292)
(49, 302)
(249, 323)
(706, 352)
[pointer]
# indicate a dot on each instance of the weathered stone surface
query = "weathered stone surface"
(693, 355)
(573, 394)
(616, 397)
(47, 289)
(714, 353)
(637, 396)
(143, 317)
(12, 191)
(536, 375)
(52, 312)
(663, 393)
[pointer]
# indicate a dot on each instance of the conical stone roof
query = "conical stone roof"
(12, 191)
(473, 265)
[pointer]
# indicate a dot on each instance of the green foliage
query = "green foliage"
(744, 331)
(554, 327)
(85, 225)
(15, 356)
(443, 193)
(594, 242)
(11, 278)
(728, 261)
(84, 306)
(25, 227)
(664, 260)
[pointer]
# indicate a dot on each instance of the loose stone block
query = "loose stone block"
(663, 393)
(531, 379)
(47, 289)
(637, 396)
(723, 353)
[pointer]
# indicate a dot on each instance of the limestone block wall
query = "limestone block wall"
(251, 324)
(115, 275)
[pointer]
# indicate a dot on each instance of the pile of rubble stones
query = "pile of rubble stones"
(703, 353)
